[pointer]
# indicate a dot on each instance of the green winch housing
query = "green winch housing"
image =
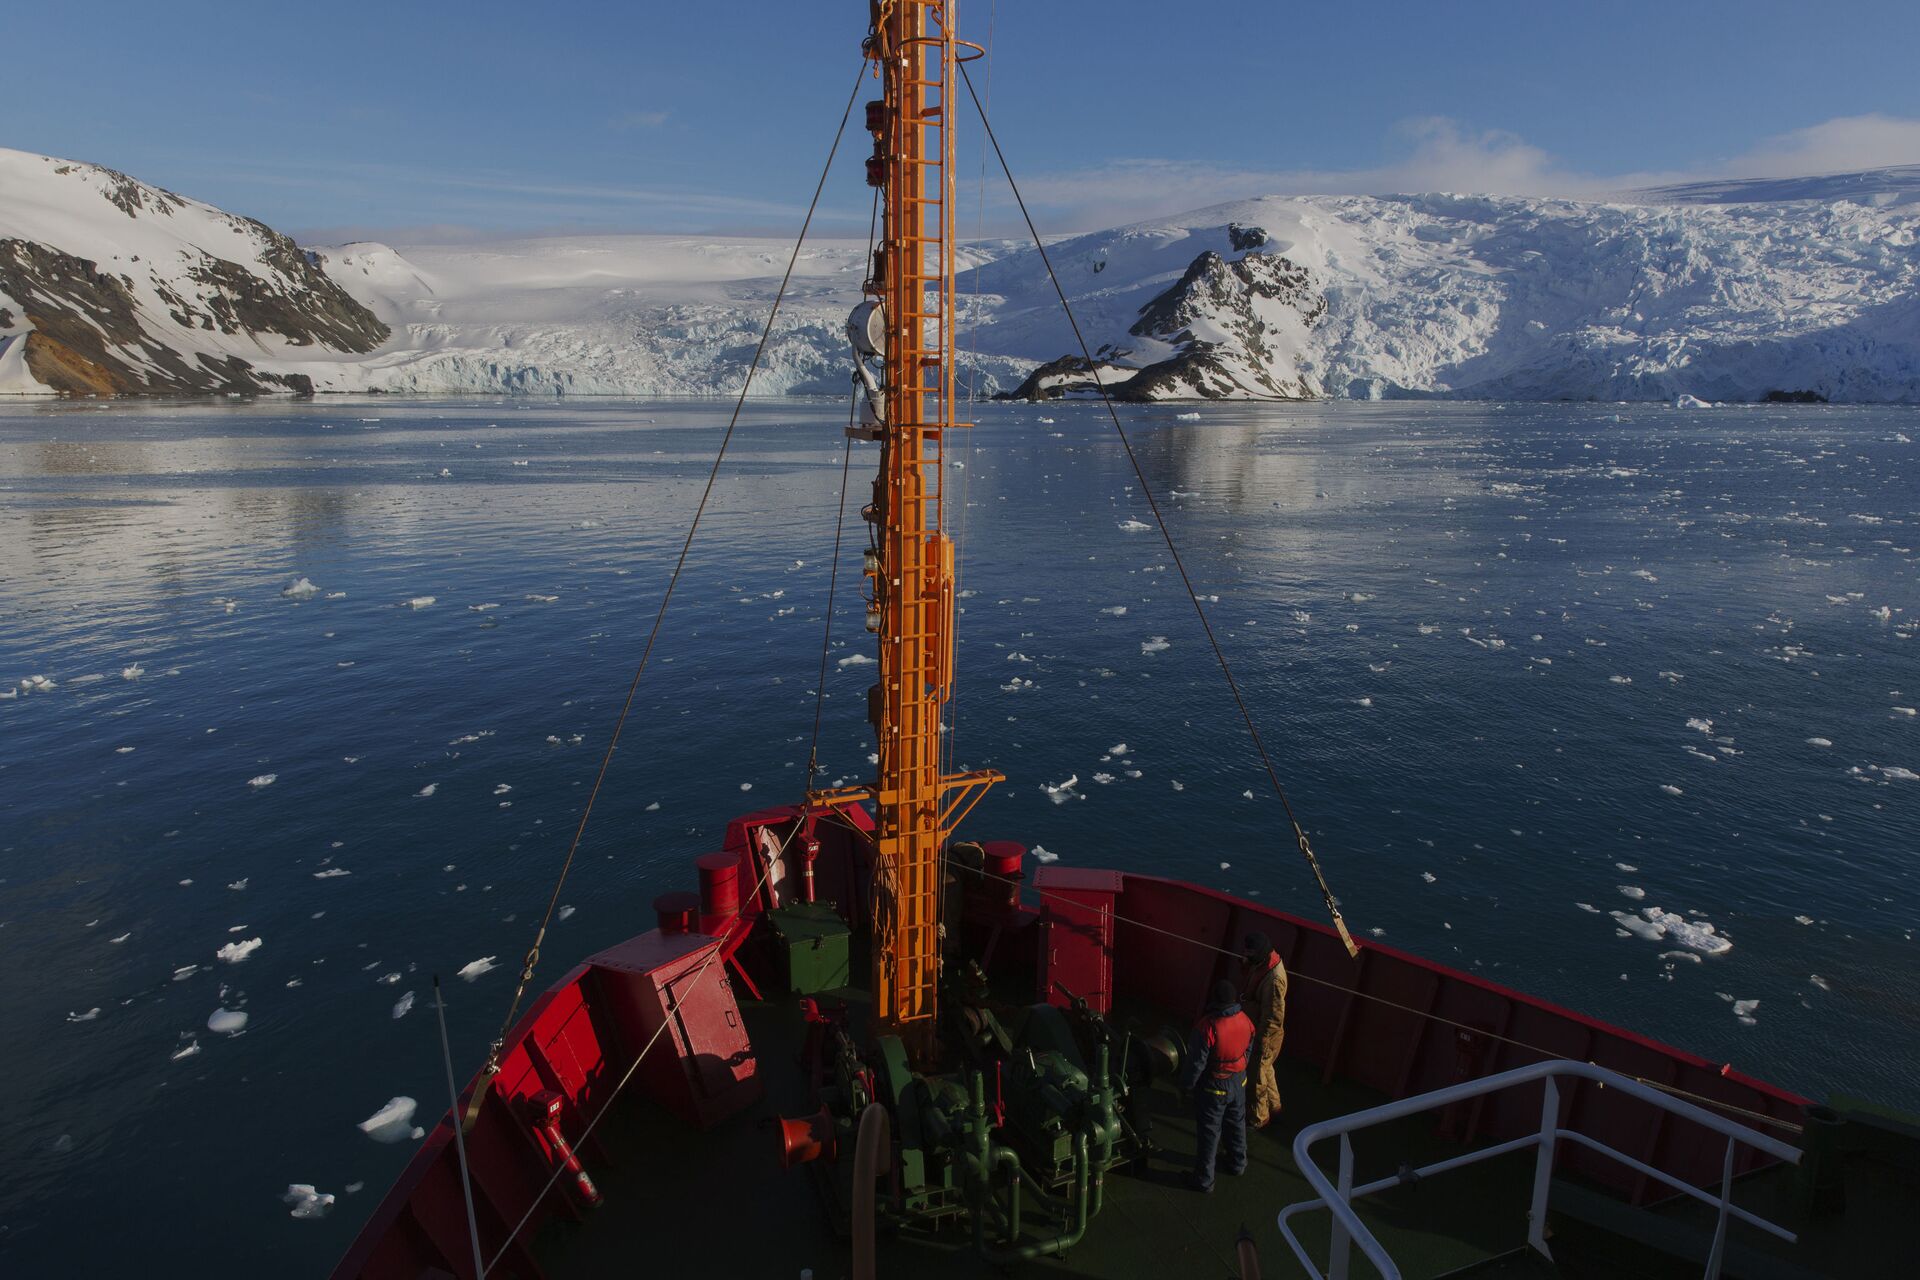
(812, 947)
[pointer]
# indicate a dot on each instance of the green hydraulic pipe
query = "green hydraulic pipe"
(1054, 1244)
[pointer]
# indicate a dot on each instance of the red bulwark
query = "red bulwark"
(1076, 935)
(676, 986)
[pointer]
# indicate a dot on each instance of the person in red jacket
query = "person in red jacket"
(1216, 1070)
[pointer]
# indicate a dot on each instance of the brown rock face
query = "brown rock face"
(89, 336)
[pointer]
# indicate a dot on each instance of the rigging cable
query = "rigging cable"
(532, 960)
(839, 526)
(1233, 686)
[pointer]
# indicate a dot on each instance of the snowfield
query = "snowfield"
(1692, 291)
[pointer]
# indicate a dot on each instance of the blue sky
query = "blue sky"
(411, 119)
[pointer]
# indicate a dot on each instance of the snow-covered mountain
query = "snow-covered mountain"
(1488, 297)
(109, 286)
(1680, 292)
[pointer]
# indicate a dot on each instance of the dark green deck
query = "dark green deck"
(683, 1202)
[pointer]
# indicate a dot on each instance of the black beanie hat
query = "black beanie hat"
(1258, 945)
(1224, 994)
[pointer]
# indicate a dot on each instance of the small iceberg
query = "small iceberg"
(391, 1123)
(306, 1202)
(300, 589)
(484, 965)
(227, 1021)
(235, 952)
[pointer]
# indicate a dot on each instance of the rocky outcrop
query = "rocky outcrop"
(114, 287)
(1218, 322)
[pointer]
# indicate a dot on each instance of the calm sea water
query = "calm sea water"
(1523, 668)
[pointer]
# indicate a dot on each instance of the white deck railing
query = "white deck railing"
(1338, 1197)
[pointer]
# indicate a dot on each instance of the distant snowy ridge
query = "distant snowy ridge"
(1481, 297)
(1681, 292)
(109, 286)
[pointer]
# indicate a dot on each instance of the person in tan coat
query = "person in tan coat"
(1266, 1003)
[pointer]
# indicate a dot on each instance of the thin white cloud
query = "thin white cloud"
(1437, 154)
(637, 120)
(1841, 145)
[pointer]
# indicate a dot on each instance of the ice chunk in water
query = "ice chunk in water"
(1043, 855)
(306, 1202)
(1154, 644)
(133, 672)
(418, 602)
(300, 589)
(483, 965)
(227, 1021)
(1633, 891)
(391, 1123)
(1064, 791)
(1134, 526)
(263, 780)
(235, 952)
(427, 790)
(403, 1005)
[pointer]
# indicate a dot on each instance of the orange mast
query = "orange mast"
(910, 568)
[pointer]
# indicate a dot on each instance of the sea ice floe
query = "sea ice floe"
(1186, 417)
(227, 1021)
(1633, 891)
(331, 873)
(391, 1123)
(38, 684)
(133, 672)
(1654, 925)
(306, 1202)
(300, 589)
(1103, 778)
(1115, 611)
(1042, 854)
(418, 602)
(235, 952)
(263, 780)
(427, 790)
(1134, 526)
(1154, 644)
(403, 1005)
(563, 913)
(1897, 772)
(1819, 982)
(88, 1016)
(1117, 751)
(1670, 789)
(483, 965)
(186, 1050)
(1819, 742)
(1702, 725)
(1063, 792)
(855, 660)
